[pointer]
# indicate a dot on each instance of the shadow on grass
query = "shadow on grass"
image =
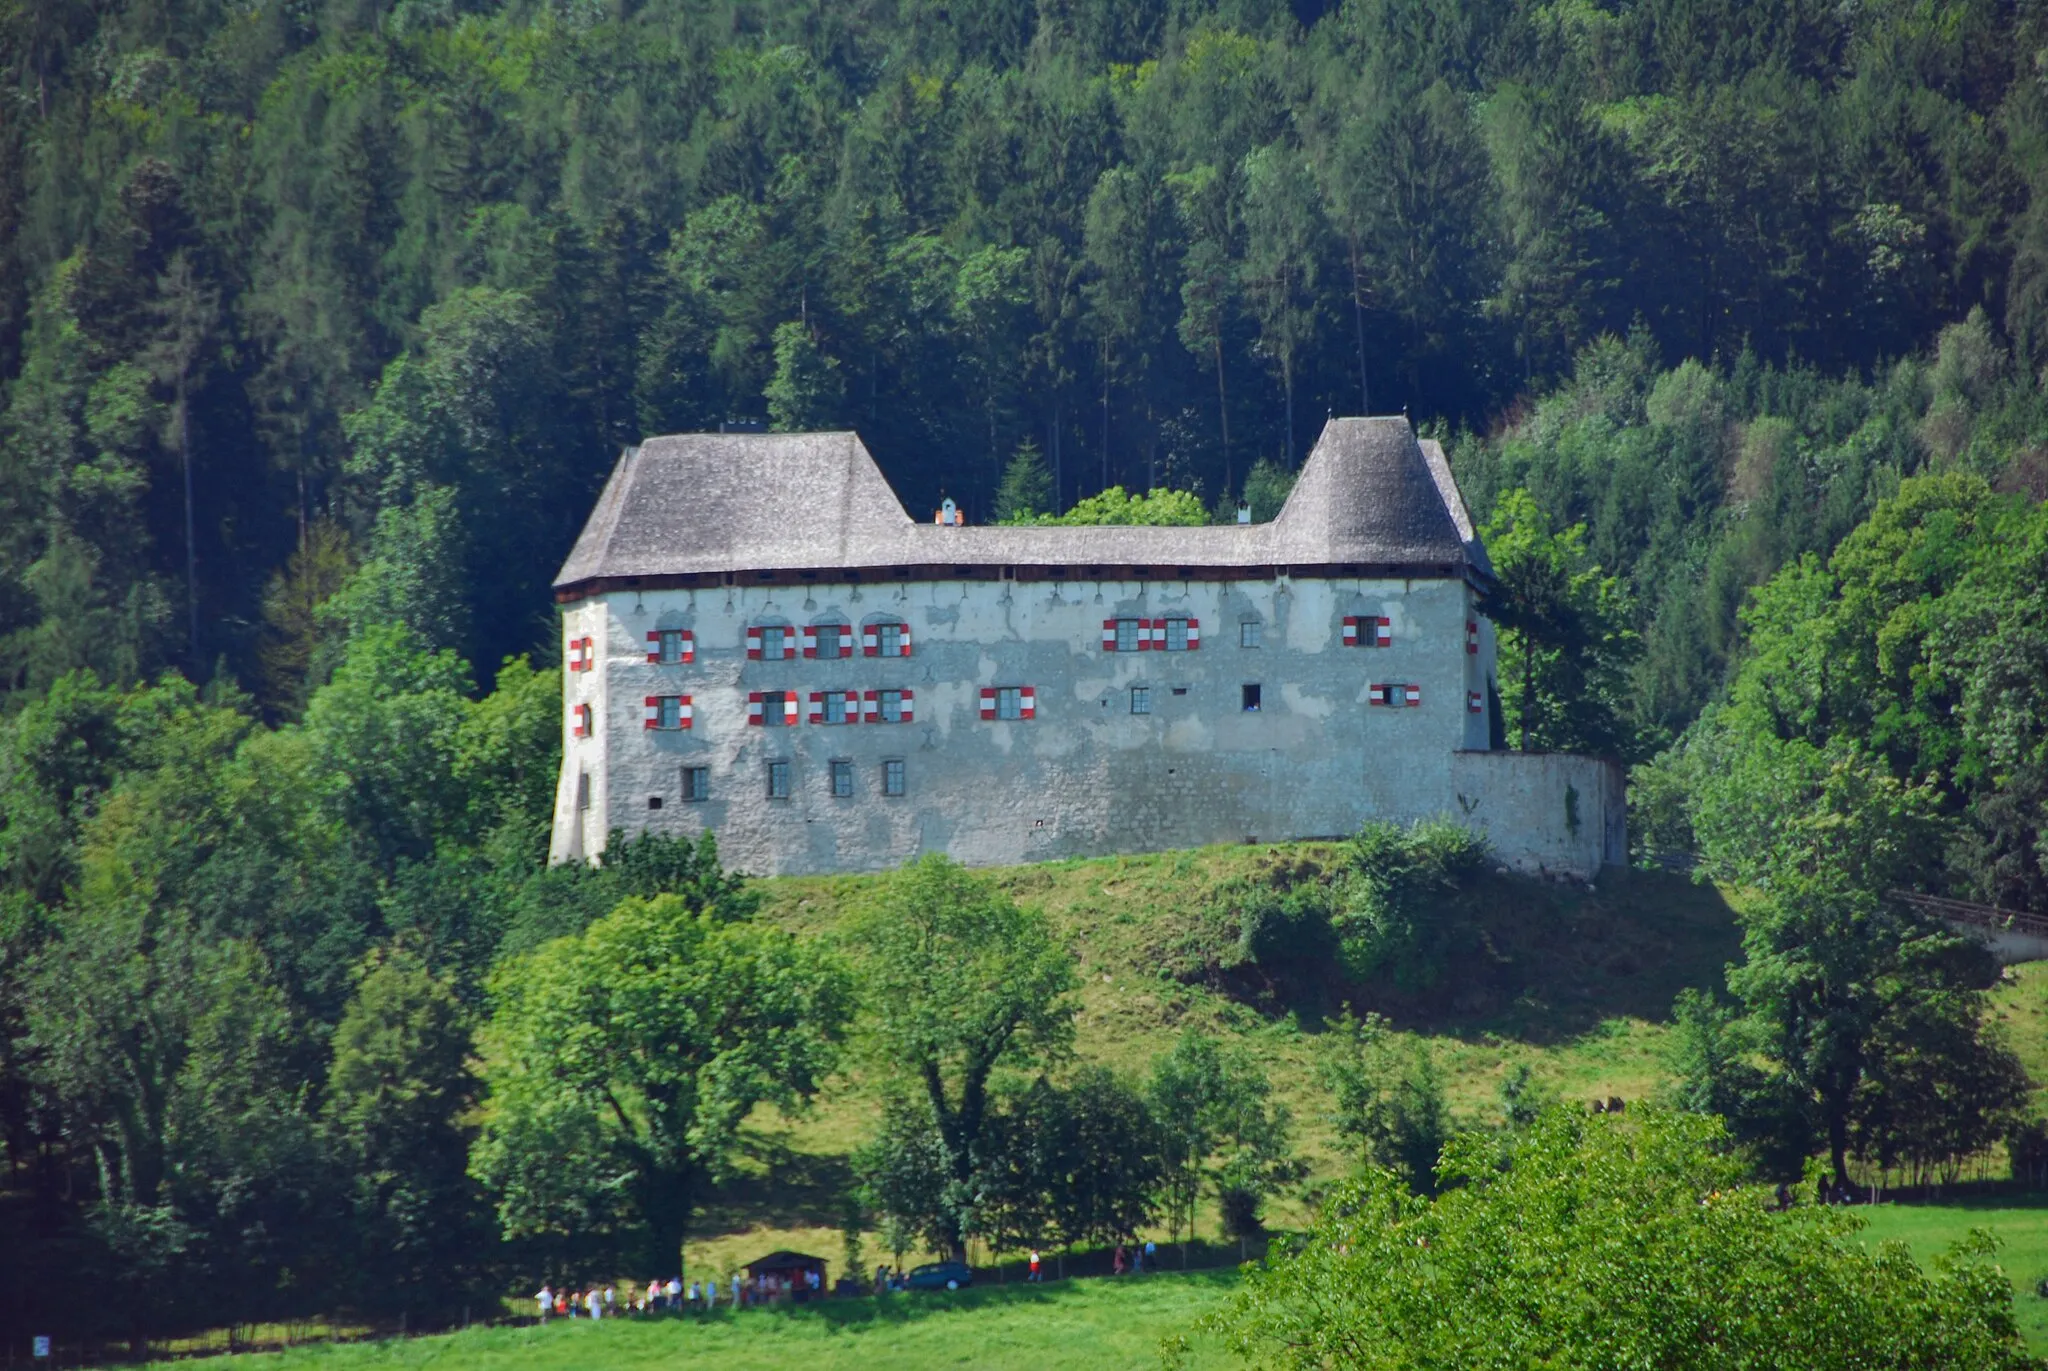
(1970, 1195)
(783, 1188)
(906, 1307)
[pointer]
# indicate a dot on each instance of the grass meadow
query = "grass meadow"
(1576, 983)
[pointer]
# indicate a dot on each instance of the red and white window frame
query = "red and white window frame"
(1368, 630)
(580, 721)
(821, 706)
(755, 633)
(1475, 703)
(992, 700)
(872, 707)
(1393, 695)
(872, 638)
(582, 654)
(686, 647)
(683, 712)
(1472, 637)
(758, 705)
(844, 632)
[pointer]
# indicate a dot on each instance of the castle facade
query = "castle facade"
(760, 642)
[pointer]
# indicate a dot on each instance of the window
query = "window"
(1393, 695)
(654, 802)
(1178, 638)
(1248, 633)
(892, 706)
(892, 779)
(1009, 703)
(772, 642)
(828, 640)
(775, 707)
(778, 780)
(696, 784)
(1129, 635)
(1368, 630)
(835, 706)
(668, 711)
(1251, 699)
(892, 640)
(670, 646)
(583, 790)
(842, 780)
(1141, 700)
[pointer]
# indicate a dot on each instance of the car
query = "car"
(939, 1276)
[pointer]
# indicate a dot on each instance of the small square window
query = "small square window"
(1010, 703)
(1127, 639)
(669, 712)
(1248, 633)
(842, 780)
(778, 780)
(891, 637)
(671, 646)
(1180, 690)
(1141, 699)
(696, 784)
(828, 640)
(892, 779)
(892, 706)
(654, 802)
(835, 706)
(1176, 635)
(771, 642)
(1251, 699)
(775, 708)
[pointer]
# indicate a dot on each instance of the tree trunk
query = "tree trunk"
(181, 419)
(1223, 412)
(1358, 322)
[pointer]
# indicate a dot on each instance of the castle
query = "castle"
(760, 642)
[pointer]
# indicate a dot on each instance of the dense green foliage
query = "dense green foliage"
(1609, 1243)
(420, 267)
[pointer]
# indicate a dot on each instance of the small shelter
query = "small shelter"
(786, 1275)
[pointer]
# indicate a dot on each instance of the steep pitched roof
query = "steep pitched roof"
(1369, 494)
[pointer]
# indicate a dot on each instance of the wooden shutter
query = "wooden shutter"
(754, 708)
(1411, 695)
(753, 644)
(1351, 630)
(817, 706)
(654, 646)
(653, 711)
(1109, 635)
(1027, 703)
(904, 650)
(871, 641)
(1145, 643)
(1375, 694)
(1475, 703)
(1382, 632)
(579, 721)
(791, 711)
(1194, 634)
(907, 706)
(988, 702)
(788, 644)
(1472, 637)
(872, 706)
(810, 641)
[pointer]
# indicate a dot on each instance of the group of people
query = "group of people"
(1134, 1260)
(664, 1297)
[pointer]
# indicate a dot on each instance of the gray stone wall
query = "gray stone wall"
(1545, 813)
(1084, 777)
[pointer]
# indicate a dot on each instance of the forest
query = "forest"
(322, 321)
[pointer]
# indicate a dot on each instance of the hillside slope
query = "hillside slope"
(1577, 982)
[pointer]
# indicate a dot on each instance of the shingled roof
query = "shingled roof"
(1369, 497)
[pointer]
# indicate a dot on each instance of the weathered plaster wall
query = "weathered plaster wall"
(1085, 777)
(1545, 812)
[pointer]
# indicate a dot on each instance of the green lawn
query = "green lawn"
(1085, 1323)
(2020, 1222)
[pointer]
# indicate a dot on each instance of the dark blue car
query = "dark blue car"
(939, 1276)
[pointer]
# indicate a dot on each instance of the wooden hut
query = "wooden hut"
(786, 1275)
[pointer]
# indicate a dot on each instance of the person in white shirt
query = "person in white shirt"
(735, 1289)
(711, 1295)
(546, 1300)
(595, 1303)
